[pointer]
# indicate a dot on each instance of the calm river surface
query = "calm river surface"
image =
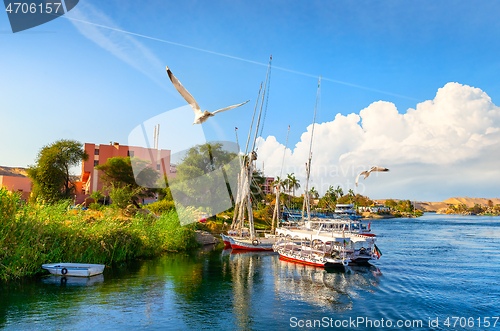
(433, 267)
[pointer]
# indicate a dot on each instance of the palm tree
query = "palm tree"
(339, 192)
(293, 183)
(351, 195)
(279, 182)
(314, 193)
(331, 197)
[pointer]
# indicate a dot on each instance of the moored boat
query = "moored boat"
(360, 242)
(257, 244)
(325, 255)
(239, 234)
(74, 269)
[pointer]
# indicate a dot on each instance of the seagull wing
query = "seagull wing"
(227, 108)
(379, 169)
(185, 94)
(363, 173)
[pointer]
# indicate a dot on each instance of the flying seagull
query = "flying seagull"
(367, 173)
(199, 116)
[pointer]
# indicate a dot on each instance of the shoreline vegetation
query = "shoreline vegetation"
(34, 234)
(462, 209)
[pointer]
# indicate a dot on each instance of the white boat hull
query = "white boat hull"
(74, 269)
(260, 244)
(310, 257)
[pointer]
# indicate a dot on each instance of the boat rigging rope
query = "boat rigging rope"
(267, 99)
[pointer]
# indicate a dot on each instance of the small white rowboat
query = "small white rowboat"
(74, 269)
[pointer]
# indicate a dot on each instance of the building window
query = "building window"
(157, 167)
(96, 152)
(96, 163)
(130, 153)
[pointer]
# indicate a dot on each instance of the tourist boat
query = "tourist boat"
(74, 269)
(315, 253)
(345, 209)
(343, 238)
(359, 240)
(315, 248)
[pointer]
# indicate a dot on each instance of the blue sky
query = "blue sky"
(74, 80)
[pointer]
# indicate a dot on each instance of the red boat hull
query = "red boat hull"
(255, 248)
(289, 259)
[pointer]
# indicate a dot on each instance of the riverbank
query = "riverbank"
(368, 215)
(32, 235)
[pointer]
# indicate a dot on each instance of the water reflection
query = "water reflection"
(247, 271)
(225, 290)
(331, 289)
(72, 281)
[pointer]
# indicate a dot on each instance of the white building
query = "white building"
(374, 209)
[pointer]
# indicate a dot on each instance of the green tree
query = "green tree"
(477, 209)
(123, 195)
(258, 181)
(203, 176)
(292, 184)
(97, 195)
(329, 200)
(118, 173)
(51, 174)
(339, 192)
(164, 192)
(390, 203)
(314, 193)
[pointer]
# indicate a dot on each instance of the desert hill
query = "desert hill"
(435, 206)
(13, 171)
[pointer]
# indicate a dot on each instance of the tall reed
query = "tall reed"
(32, 235)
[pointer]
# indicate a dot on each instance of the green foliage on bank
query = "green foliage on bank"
(32, 235)
(50, 173)
(161, 207)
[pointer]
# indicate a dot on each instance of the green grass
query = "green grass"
(32, 235)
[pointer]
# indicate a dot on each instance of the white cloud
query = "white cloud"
(446, 142)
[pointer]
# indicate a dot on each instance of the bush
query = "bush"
(121, 197)
(95, 206)
(9, 204)
(161, 206)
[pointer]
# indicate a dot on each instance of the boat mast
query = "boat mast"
(308, 165)
(252, 157)
(276, 214)
(239, 208)
(244, 200)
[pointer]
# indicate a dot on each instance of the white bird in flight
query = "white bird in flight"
(199, 116)
(367, 173)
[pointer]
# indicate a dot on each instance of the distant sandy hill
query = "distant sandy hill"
(470, 202)
(11, 171)
(435, 206)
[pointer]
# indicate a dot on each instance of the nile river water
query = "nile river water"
(437, 270)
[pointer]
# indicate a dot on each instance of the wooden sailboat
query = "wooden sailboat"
(243, 200)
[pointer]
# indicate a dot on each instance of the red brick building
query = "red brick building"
(99, 154)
